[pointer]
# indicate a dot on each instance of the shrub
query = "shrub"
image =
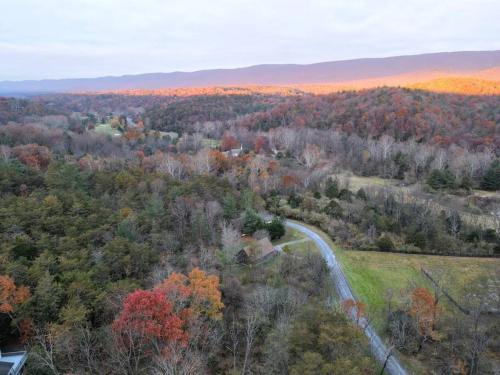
(418, 239)
(491, 179)
(346, 195)
(441, 180)
(276, 228)
(251, 222)
(385, 243)
(332, 188)
(361, 194)
(333, 209)
(294, 200)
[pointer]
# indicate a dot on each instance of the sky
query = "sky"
(93, 38)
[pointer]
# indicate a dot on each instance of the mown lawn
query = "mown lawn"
(290, 235)
(210, 143)
(302, 247)
(106, 129)
(371, 274)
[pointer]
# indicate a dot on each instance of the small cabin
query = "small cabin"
(255, 250)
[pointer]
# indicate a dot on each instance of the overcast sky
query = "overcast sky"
(89, 38)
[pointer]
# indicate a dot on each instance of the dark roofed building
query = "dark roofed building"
(255, 250)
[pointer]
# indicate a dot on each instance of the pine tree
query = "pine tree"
(491, 179)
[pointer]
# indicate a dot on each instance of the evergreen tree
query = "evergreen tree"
(276, 228)
(251, 222)
(441, 180)
(491, 179)
(332, 188)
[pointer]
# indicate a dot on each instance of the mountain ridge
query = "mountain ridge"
(331, 72)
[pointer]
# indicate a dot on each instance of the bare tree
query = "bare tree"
(45, 353)
(479, 338)
(231, 241)
(213, 212)
(179, 361)
(311, 155)
(454, 222)
(234, 340)
(201, 162)
(170, 165)
(440, 159)
(5, 152)
(252, 319)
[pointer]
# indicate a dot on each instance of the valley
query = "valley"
(303, 228)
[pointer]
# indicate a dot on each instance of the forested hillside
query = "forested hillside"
(132, 229)
(400, 113)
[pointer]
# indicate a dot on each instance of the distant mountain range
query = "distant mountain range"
(358, 73)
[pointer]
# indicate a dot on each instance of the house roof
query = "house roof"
(5, 367)
(12, 363)
(259, 248)
(265, 245)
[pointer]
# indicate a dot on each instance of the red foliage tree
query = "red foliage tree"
(273, 166)
(148, 319)
(229, 142)
(140, 155)
(259, 143)
(162, 318)
(289, 180)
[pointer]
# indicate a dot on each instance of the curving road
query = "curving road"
(378, 347)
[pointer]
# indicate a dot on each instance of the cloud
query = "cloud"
(73, 38)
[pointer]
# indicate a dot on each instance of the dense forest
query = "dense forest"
(129, 227)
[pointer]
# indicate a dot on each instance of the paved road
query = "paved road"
(378, 347)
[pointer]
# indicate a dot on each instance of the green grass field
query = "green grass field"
(106, 129)
(210, 143)
(302, 247)
(371, 274)
(358, 182)
(290, 235)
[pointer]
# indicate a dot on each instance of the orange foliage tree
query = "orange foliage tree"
(356, 309)
(162, 318)
(425, 311)
(11, 296)
(289, 182)
(198, 291)
(219, 161)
